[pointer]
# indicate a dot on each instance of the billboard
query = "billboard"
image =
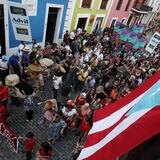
(20, 22)
(153, 43)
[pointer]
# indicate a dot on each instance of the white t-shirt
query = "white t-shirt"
(100, 57)
(56, 82)
(70, 113)
(72, 35)
(20, 48)
(79, 31)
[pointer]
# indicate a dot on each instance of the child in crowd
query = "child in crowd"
(30, 144)
(45, 152)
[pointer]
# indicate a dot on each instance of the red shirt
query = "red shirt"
(84, 126)
(3, 114)
(3, 93)
(30, 144)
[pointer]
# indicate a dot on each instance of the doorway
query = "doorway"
(51, 24)
(82, 23)
(98, 24)
(2, 31)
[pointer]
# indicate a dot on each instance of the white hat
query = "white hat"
(46, 62)
(11, 80)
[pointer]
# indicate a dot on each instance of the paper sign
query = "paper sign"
(20, 22)
(153, 43)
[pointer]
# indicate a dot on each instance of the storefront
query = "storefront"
(45, 20)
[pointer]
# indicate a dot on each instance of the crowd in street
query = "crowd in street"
(97, 68)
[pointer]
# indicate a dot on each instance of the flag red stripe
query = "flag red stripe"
(98, 136)
(108, 110)
(143, 129)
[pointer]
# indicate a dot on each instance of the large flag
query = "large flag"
(125, 124)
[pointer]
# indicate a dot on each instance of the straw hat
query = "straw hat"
(11, 80)
(46, 62)
(99, 89)
(35, 68)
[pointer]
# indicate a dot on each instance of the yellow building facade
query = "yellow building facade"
(90, 14)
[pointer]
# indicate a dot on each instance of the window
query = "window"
(86, 3)
(119, 4)
(104, 4)
(128, 4)
(82, 23)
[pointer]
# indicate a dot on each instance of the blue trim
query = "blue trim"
(37, 22)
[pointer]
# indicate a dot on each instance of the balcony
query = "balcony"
(141, 8)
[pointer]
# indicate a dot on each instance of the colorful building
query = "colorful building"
(90, 14)
(155, 8)
(138, 11)
(120, 11)
(47, 20)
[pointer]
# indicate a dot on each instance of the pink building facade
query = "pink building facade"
(120, 11)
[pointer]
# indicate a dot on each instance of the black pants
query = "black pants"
(15, 101)
(29, 155)
(17, 71)
(4, 102)
(29, 115)
(55, 93)
(3, 74)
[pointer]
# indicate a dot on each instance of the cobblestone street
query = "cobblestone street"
(61, 149)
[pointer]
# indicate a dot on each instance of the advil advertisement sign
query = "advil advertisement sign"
(20, 22)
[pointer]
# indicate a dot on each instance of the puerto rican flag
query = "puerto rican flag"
(125, 124)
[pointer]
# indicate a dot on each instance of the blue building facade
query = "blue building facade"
(40, 27)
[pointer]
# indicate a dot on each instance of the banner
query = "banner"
(125, 34)
(31, 6)
(125, 124)
(132, 38)
(20, 22)
(140, 43)
(10, 135)
(153, 43)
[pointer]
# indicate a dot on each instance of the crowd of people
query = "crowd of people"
(97, 68)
